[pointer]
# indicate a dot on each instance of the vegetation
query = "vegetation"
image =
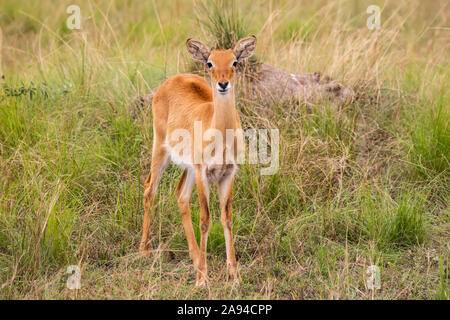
(366, 183)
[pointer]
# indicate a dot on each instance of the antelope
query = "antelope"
(178, 103)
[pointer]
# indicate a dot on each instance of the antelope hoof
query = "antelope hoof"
(233, 274)
(201, 278)
(200, 282)
(144, 251)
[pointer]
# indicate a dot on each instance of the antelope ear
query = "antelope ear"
(198, 50)
(245, 48)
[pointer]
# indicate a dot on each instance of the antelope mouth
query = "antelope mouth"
(223, 91)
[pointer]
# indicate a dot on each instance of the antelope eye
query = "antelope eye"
(235, 64)
(209, 64)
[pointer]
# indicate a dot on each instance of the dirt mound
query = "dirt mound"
(274, 84)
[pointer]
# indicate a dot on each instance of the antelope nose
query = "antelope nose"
(223, 85)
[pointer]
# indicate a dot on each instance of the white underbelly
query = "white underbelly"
(213, 171)
(217, 172)
(182, 161)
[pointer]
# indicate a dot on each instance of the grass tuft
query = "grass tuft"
(360, 184)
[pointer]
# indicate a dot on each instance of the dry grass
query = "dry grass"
(359, 184)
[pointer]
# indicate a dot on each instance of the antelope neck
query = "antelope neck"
(224, 116)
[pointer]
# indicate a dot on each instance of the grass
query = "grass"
(359, 184)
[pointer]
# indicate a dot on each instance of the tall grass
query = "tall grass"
(431, 136)
(359, 184)
(223, 22)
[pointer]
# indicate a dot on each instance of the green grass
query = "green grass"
(223, 22)
(360, 184)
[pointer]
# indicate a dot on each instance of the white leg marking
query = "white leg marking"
(160, 173)
(188, 184)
